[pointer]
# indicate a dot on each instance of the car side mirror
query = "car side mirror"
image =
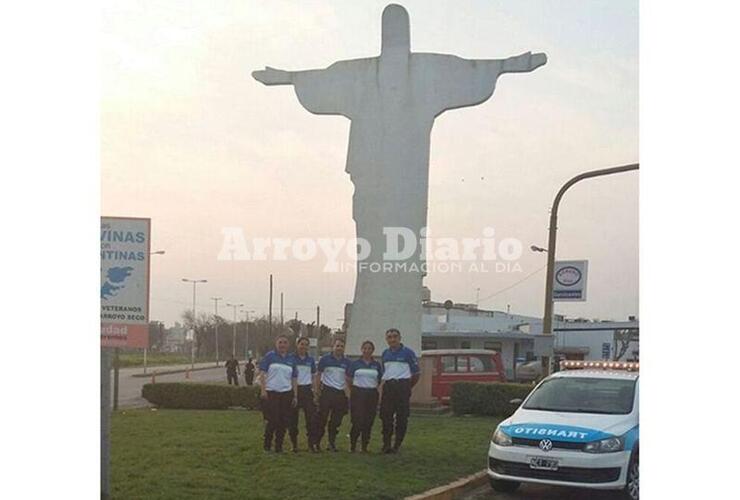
(516, 401)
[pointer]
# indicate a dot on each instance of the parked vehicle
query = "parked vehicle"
(529, 371)
(463, 365)
(579, 427)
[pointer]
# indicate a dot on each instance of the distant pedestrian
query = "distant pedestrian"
(307, 381)
(249, 372)
(364, 376)
(333, 397)
(400, 374)
(232, 370)
(279, 392)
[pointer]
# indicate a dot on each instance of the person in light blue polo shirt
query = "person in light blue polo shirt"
(279, 391)
(400, 375)
(333, 397)
(364, 376)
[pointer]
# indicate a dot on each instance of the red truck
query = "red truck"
(463, 365)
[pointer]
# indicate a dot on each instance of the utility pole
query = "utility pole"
(233, 339)
(269, 313)
(318, 328)
(281, 309)
(215, 322)
(192, 346)
(552, 240)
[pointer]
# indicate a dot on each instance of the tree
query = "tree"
(622, 340)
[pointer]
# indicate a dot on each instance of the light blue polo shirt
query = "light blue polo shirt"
(334, 371)
(279, 370)
(365, 375)
(399, 364)
(306, 368)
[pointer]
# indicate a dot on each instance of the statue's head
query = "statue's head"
(396, 34)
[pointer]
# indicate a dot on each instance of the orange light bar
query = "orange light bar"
(600, 365)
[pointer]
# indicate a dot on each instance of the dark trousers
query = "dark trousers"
(305, 402)
(363, 406)
(394, 410)
(334, 402)
(277, 410)
(249, 378)
(231, 376)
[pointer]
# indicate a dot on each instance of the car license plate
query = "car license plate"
(542, 463)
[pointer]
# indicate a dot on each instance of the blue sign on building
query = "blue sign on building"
(606, 350)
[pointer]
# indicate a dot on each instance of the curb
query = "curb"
(453, 489)
(170, 372)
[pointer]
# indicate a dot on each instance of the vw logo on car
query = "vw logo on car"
(545, 445)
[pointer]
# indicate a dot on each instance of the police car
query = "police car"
(579, 427)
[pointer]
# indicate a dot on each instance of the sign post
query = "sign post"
(124, 311)
(104, 423)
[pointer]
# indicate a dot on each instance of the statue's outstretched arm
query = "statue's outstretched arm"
(328, 91)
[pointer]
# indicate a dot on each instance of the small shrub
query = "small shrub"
(194, 396)
(473, 398)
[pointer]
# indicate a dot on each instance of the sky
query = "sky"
(190, 140)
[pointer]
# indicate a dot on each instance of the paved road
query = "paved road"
(538, 492)
(129, 388)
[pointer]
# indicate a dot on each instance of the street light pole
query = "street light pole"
(246, 334)
(552, 240)
(233, 338)
(158, 252)
(215, 322)
(192, 346)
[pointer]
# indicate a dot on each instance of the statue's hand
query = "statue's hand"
(537, 60)
(272, 76)
(524, 63)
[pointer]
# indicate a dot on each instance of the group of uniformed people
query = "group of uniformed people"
(291, 382)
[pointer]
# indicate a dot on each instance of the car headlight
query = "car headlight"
(607, 445)
(501, 438)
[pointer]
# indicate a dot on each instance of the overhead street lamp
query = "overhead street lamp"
(233, 338)
(192, 345)
(158, 252)
(552, 240)
(535, 248)
(215, 322)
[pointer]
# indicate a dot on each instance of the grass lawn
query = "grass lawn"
(202, 454)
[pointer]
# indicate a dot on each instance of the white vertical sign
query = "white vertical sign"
(124, 281)
(570, 281)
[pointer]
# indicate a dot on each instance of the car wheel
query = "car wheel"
(504, 486)
(632, 488)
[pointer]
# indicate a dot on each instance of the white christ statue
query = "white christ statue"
(392, 101)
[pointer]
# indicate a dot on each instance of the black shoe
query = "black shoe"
(331, 447)
(389, 451)
(267, 448)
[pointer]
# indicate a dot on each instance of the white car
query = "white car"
(578, 427)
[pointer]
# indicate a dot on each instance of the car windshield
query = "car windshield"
(584, 395)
